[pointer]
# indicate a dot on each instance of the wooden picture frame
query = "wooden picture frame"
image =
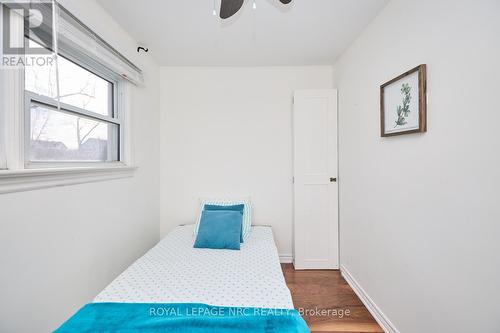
(400, 111)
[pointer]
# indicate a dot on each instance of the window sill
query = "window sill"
(33, 179)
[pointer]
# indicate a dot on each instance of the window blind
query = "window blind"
(72, 32)
(59, 27)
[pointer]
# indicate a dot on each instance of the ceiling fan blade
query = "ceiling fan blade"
(286, 2)
(229, 7)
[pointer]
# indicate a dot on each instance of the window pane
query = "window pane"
(60, 136)
(40, 77)
(77, 87)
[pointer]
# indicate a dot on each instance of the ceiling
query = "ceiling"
(185, 32)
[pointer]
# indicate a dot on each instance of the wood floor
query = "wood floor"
(327, 302)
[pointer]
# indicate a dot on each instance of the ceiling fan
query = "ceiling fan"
(230, 7)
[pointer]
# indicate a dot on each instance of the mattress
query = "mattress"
(175, 272)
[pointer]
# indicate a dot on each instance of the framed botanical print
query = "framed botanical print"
(403, 103)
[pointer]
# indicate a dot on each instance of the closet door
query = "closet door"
(315, 180)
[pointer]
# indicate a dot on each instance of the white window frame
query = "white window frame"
(116, 117)
(20, 174)
(3, 158)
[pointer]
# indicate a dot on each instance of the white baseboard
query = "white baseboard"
(379, 316)
(286, 258)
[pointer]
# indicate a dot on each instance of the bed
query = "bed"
(173, 275)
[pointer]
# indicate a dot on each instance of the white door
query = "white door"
(315, 179)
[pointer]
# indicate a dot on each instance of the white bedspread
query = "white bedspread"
(175, 272)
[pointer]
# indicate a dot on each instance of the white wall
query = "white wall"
(227, 131)
(59, 247)
(419, 214)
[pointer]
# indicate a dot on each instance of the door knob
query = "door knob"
(333, 180)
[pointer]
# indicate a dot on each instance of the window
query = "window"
(82, 126)
(65, 119)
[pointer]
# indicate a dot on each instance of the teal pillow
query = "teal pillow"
(219, 229)
(237, 208)
(247, 213)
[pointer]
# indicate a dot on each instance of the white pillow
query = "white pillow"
(247, 212)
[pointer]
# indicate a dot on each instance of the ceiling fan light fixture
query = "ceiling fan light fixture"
(230, 7)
